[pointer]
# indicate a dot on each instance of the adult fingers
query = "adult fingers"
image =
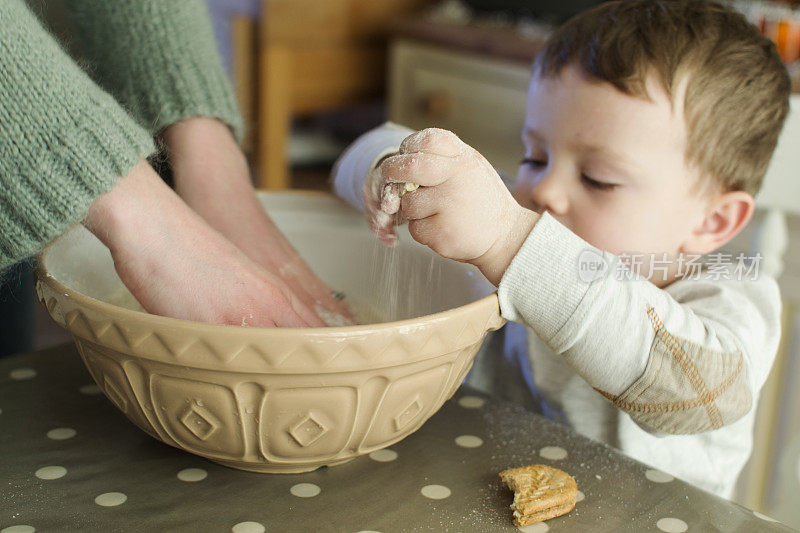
(316, 293)
(308, 315)
(279, 303)
(276, 311)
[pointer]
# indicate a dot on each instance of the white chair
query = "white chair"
(780, 195)
(772, 479)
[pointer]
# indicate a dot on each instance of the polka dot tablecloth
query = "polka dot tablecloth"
(71, 461)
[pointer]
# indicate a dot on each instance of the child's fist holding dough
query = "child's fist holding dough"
(462, 209)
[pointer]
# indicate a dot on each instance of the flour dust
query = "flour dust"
(406, 282)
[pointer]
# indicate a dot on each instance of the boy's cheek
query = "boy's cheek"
(613, 234)
(608, 233)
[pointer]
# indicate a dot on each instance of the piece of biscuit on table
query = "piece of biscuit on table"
(541, 492)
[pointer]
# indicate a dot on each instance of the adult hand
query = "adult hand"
(176, 265)
(462, 209)
(211, 175)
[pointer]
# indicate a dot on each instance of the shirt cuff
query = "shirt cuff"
(352, 167)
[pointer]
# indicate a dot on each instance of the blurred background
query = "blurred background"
(311, 75)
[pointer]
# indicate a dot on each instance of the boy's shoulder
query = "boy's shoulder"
(721, 275)
(748, 303)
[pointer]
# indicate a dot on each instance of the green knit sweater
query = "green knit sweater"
(63, 139)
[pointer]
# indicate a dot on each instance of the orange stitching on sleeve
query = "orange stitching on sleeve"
(688, 367)
(668, 407)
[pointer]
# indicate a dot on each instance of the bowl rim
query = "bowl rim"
(43, 275)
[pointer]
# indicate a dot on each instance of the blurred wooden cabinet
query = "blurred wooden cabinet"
(480, 98)
(316, 55)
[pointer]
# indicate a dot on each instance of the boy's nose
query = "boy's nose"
(547, 194)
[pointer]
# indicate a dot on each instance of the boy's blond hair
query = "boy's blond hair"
(737, 89)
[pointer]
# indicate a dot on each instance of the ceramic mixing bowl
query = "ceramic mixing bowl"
(281, 399)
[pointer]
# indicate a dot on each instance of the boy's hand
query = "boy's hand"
(462, 209)
(381, 211)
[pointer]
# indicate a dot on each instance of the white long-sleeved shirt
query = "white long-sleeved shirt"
(669, 376)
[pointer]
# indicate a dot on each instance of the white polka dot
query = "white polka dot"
(764, 517)
(553, 453)
(368, 531)
(657, 476)
(18, 529)
(471, 402)
(90, 390)
(469, 441)
(248, 527)
(305, 490)
(51, 472)
(435, 492)
(61, 433)
(192, 474)
(111, 499)
(538, 527)
(18, 374)
(580, 497)
(672, 525)
(383, 456)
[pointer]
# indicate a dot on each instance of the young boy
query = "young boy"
(649, 127)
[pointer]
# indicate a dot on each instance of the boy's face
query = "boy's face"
(609, 166)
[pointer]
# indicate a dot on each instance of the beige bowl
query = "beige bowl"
(281, 399)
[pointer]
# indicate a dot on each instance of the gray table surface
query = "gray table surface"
(100, 452)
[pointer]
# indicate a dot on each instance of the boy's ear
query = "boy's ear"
(725, 217)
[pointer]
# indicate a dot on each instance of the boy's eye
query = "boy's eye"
(536, 163)
(600, 185)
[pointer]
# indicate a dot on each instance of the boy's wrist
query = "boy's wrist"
(496, 260)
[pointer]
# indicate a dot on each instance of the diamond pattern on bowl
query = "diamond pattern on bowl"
(199, 423)
(307, 431)
(408, 414)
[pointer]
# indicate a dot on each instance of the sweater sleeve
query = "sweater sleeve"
(63, 140)
(685, 359)
(158, 57)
